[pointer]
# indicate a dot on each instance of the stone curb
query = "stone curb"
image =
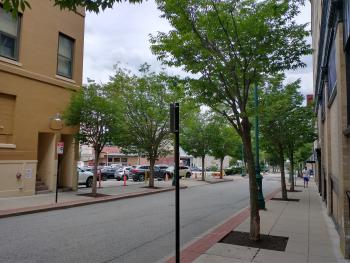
(70, 204)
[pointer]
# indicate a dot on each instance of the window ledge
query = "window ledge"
(7, 146)
(10, 61)
(332, 97)
(65, 79)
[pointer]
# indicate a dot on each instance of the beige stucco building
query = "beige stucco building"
(41, 58)
(331, 67)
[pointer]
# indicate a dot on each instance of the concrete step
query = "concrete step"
(41, 187)
(42, 192)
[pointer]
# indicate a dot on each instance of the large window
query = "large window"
(9, 35)
(332, 71)
(65, 56)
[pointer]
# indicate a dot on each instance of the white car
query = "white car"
(184, 171)
(85, 177)
(123, 170)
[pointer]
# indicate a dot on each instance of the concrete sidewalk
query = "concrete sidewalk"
(112, 189)
(312, 235)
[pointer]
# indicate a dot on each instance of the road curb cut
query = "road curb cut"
(71, 204)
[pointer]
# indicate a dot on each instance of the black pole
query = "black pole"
(176, 172)
(58, 173)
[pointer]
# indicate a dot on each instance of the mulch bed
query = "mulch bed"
(96, 196)
(277, 243)
(289, 199)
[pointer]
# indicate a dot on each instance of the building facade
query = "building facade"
(331, 67)
(41, 61)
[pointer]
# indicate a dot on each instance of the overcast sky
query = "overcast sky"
(121, 35)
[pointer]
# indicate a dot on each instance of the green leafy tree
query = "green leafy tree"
(145, 100)
(230, 46)
(224, 142)
(195, 137)
(90, 5)
(98, 117)
(285, 123)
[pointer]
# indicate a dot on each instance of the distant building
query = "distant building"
(41, 61)
(331, 67)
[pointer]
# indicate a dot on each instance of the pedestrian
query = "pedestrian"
(306, 177)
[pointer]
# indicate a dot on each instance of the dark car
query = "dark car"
(108, 173)
(138, 173)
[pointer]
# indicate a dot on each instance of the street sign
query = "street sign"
(60, 148)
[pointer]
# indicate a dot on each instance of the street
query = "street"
(131, 230)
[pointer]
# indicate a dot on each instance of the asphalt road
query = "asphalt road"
(131, 230)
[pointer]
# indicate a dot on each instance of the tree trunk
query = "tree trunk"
(253, 189)
(221, 168)
(203, 175)
(283, 178)
(94, 181)
(152, 161)
(292, 171)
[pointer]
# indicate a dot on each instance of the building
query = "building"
(331, 67)
(110, 155)
(41, 59)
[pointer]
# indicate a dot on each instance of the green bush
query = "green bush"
(233, 170)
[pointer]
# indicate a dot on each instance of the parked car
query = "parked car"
(184, 171)
(160, 170)
(85, 177)
(138, 173)
(108, 173)
(119, 174)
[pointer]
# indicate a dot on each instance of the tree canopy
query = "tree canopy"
(90, 5)
(145, 100)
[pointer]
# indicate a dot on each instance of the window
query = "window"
(9, 35)
(65, 56)
(347, 59)
(116, 160)
(124, 160)
(332, 71)
(110, 159)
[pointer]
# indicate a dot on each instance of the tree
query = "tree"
(145, 101)
(195, 137)
(301, 131)
(230, 46)
(224, 142)
(285, 123)
(95, 6)
(98, 117)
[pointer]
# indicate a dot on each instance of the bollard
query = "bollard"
(166, 177)
(99, 178)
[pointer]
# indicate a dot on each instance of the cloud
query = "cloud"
(121, 35)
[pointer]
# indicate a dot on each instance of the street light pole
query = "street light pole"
(261, 201)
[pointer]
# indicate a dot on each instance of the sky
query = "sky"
(121, 35)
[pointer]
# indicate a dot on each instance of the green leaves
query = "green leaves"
(98, 116)
(145, 100)
(14, 6)
(286, 124)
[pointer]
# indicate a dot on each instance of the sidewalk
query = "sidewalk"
(312, 236)
(111, 190)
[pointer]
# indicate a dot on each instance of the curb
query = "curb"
(194, 249)
(71, 204)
